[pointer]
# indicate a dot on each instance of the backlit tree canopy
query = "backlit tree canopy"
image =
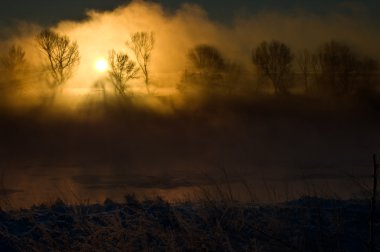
(142, 44)
(62, 55)
(274, 60)
(122, 69)
(14, 60)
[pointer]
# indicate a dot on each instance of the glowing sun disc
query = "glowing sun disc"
(101, 65)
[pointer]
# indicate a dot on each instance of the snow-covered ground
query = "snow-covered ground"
(306, 224)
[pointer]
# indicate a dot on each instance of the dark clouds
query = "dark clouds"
(49, 12)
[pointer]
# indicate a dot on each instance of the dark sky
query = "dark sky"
(49, 11)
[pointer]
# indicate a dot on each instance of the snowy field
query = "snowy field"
(307, 224)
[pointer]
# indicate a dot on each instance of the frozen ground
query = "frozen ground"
(307, 224)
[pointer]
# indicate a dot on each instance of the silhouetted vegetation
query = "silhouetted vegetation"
(14, 61)
(338, 68)
(142, 44)
(306, 224)
(13, 66)
(62, 56)
(304, 61)
(334, 69)
(122, 69)
(274, 61)
(207, 66)
(209, 71)
(284, 121)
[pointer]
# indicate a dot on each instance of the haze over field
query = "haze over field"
(82, 139)
(188, 26)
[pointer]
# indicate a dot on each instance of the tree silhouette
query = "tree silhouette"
(13, 70)
(122, 69)
(339, 67)
(206, 58)
(142, 44)
(305, 64)
(274, 60)
(207, 63)
(14, 60)
(232, 77)
(62, 54)
(206, 66)
(209, 71)
(368, 70)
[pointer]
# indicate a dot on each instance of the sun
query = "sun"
(101, 65)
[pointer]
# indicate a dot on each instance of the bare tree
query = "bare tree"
(274, 60)
(209, 71)
(122, 69)
(305, 64)
(13, 69)
(368, 70)
(206, 58)
(233, 76)
(14, 60)
(339, 67)
(142, 44)
(62, 54)
(207, 62)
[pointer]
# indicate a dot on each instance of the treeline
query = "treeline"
(61, 58)
(334, 68)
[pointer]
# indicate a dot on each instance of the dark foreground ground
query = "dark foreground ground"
(118, 148)
(307, 224)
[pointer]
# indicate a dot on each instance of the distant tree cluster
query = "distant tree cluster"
(61, 58)
(122, 69)
(338, 70)
(14, 61)
(209, 70)
(334, 69)
(142, 44)
(274, 60)
(62, 55)
(13, 66)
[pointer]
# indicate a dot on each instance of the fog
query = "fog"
(87, 147)
(177, 32)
